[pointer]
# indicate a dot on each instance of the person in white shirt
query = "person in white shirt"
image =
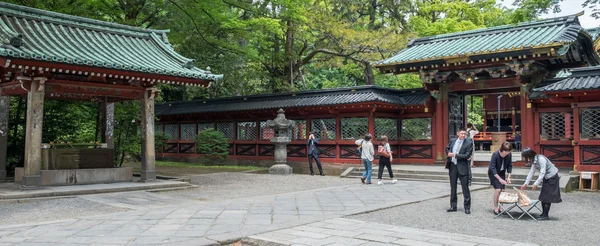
(550, 192)
(367, 157)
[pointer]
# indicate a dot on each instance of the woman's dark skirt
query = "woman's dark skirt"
(551, 190)
(495, 182)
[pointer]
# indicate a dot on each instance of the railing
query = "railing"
(487, 136)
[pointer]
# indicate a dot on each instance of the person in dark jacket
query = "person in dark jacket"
(500, 165)
(459, 151)
(313, 153)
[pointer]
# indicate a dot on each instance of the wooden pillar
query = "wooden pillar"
(441, 128)
(372, 125)
(484, 126)
(576, 137)
(109, 117)
(4, 108)
(514, 121)
(33, 133)
(338, 136)
(148, 172)
(527, 121)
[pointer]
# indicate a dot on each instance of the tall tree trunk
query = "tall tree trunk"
(289, 48)
(372, 14)
(369, 77)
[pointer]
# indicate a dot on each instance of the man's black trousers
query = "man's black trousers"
(464, 183)
(310, 160)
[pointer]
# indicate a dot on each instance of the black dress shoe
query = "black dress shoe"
(362, 179)
(542, 218)
(467, 211)
(451, 210)
(312, 174)
(496, 213)
(322, 174)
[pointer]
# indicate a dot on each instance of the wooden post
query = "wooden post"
(338, 136)
(526, 118)
(109, 117)
(33, 133)
(4, 108)
(148, 172)
(514, 121)
(576, 136)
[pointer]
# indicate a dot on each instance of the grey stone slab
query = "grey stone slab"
(191, 242)
(92, 233)
(278, 236)
(306, 241)
(177, 221)
(164, 228)
(343, 241)
(195, 227)
(309, 234)
(157, 233)
(229, 221)
(450, 242)
(127, 233)
(150, 240)
(208, 214)
(199, 222)
(377, 238)
(12, 239)
(110, 239)
(194, 233)
(47, 239)
(411, 242)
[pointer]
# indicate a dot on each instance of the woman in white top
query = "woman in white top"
(550, 192)
(367, 157)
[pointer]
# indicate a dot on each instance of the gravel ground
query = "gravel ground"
(575, 221)
(225, 186)
(26, 211)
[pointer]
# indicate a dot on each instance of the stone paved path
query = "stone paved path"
(163, 220)
(355, 232)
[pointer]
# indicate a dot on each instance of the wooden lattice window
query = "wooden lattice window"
(158, 129)
(416, 129)
(171, 131)
(226, 128)
(299, 130)
(266, 132)
(386, 126)
(590, 123)
(556, 126)
(246, 130)
(324, 128)
(187, 132)
(205, 125)
(354, 128)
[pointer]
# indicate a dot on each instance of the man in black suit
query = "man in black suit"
(313, 153)
(459, 151)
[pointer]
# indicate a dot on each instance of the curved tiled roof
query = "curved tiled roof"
(296, 99)
(34, 34)
(555, 32)
(587, 78)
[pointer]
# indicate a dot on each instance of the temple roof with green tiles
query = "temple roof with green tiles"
(33, 34)
(561, 39)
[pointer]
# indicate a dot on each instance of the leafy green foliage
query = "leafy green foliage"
(160, 141)
(212, 144)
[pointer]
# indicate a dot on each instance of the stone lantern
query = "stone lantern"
(281, 126)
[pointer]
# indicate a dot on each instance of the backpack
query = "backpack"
(360, 148)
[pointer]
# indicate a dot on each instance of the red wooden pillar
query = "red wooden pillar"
(338, 136)
(441, 128)
(576, 137)
(537, 131)
(514, 121)
(257, 138)
(526, 120)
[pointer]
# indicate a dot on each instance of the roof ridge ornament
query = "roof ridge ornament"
(189, 64)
